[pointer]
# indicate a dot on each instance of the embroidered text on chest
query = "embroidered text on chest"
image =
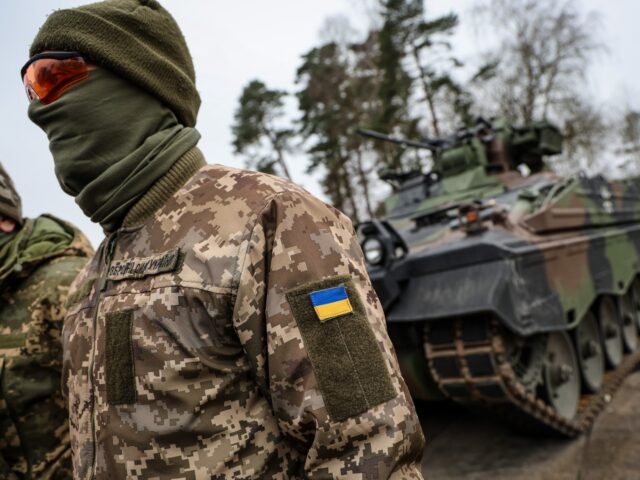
(142, 267)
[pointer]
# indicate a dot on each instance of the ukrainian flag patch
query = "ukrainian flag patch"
(331, 302)
(349, 363)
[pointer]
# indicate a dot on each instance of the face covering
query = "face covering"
(4, 239)
(110, 141)
(7, 254)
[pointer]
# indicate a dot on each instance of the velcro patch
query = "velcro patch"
(119, 368)
(145, 266)
(331, 302)
(347, 360)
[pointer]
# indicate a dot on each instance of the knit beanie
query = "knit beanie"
(10, 203)
(136, 39)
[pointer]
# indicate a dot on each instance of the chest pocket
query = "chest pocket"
(164, 342)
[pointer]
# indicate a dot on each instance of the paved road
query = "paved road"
(467, 445)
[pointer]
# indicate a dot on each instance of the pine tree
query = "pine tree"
(323, 102)
(256, 132)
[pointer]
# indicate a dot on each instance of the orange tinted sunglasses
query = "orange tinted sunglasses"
(46, 75)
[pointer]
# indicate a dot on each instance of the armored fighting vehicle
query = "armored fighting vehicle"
(504, 285)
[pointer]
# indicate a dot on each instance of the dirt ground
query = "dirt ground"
(468, 445)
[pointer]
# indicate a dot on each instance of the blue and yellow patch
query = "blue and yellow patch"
(349, 363)
(331, 302)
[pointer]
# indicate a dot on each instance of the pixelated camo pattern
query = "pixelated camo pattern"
(34, 435)
(223, 385)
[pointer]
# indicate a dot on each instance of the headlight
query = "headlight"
(373, 251)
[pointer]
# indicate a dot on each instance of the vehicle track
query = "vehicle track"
(468, 360)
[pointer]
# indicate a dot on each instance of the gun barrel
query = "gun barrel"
(398, 140)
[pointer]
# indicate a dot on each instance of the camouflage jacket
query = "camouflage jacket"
(36, 269)
(192, 350)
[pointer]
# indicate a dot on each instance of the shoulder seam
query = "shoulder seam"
(241, 265)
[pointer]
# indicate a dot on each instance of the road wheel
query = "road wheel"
(590, 355)
(561, 375)
(629, 321)
(635, 288)
(610, 331)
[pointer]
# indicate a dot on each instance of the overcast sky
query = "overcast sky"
(234, 42)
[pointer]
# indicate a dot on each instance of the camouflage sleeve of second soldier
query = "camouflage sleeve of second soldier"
(315, 333)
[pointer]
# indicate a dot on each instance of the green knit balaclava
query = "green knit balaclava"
(10, 203)
(116, 133)
(110, 141)
(135, 39)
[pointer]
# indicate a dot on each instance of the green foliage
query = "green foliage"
(323, 101)
(403, 78)
(395, 88)
(420, 91)
(255, 123)
(384, 82)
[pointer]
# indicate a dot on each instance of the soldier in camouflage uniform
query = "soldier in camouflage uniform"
(39, 258)
(226, 328)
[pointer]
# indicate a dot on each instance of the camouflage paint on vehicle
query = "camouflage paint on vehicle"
(218, 381)
(539, 276)
(535, 252)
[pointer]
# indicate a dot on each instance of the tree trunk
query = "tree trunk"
(348, 189)
(428, 94)
(333, 189)
(282, 163)
(364, 181)
(276, 147)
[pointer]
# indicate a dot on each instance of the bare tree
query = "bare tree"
(545, 49)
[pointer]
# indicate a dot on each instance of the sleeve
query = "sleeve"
(315, 333)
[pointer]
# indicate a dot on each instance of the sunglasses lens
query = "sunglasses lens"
(46, 78)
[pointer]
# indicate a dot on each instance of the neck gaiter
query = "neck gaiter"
(110, 141)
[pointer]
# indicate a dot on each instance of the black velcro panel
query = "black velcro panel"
(347, 360)
(121, 388)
